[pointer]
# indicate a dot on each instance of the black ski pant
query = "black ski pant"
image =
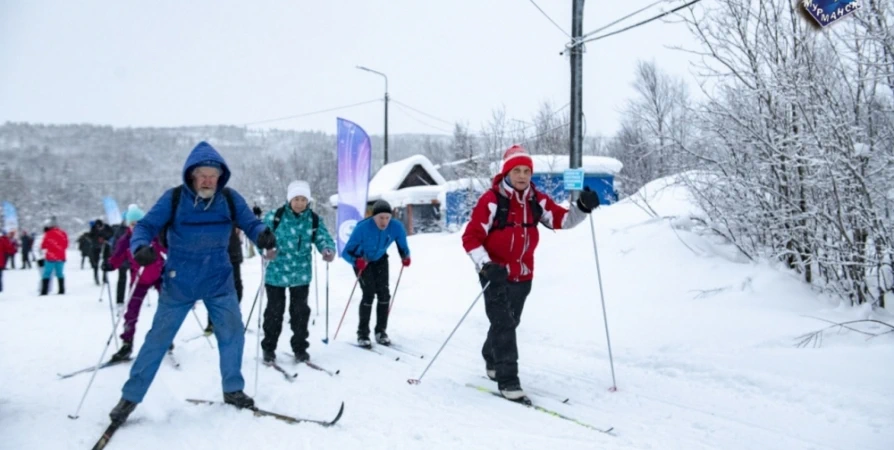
(122, 285)
(503, 305)
(374, 283)
(299, 313)
(26, 259)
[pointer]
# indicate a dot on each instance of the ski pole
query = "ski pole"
(326, 341)
(335, 336)
(201, 327)
(102, 293)
(397, 285)
(608, 341)
(133, 287)
(255, 301)
(316, 289)
(419, 380)
(260, 314)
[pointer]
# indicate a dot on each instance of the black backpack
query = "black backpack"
(502, 215)
(277, 218)
(175, 202)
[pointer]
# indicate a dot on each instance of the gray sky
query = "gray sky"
(171, 63)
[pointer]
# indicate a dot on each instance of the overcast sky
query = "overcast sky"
(171, 63)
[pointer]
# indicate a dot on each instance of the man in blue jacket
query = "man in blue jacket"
(196, 219)
(367, 250)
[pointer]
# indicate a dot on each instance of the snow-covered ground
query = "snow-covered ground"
(704, 348)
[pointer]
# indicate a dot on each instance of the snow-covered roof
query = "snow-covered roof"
(558, 164)
(388, 179)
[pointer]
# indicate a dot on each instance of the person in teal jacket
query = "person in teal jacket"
(297, 228)
(366, 250)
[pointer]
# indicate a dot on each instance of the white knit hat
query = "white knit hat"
(297, 188)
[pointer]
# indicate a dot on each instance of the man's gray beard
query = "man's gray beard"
(206, 193)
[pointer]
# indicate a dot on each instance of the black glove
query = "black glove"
(145, 255)
(107, 267)
(588, 200)
(267, 240)
(494, 273)
(40, 263)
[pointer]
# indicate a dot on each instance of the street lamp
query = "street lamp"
(386, 106)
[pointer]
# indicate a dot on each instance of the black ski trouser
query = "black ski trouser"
(374, 284)
(504, 305)
(122, 285)
(26, 259)
(299, 314)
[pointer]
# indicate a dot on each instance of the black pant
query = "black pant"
(374, 283)
(122, 285)
(11, 260)
(1, 279)
(26, 259)
(83, 257)
(299, 313)
(504, 305)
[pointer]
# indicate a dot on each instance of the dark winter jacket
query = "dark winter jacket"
(514, 245)
(27, 243)
(198, 264)
(84, 243)
(367, 241)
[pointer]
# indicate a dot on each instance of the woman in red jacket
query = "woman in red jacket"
(500, 238)
(7, 248)
(53, 247)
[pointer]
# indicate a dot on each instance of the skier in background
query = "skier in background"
(53, 247)
(27, 247)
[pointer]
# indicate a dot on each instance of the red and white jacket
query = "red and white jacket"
(513, 246)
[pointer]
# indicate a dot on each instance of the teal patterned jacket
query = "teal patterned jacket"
(293, 265)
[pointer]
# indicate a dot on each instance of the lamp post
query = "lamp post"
(386, 106)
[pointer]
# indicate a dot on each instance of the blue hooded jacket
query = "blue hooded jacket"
(198, 265)
(367, 241)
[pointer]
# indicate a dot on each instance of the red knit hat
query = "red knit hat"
(516, 156)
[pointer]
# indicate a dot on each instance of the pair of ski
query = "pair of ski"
(526, 401)
(111, 429)
(170, 357)
(396, 348)
(290, 377)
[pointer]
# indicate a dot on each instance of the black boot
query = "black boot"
(269, 356)
(124, 352)
(44, 286)
(122, 410)
(239, 399)
(61, 286)
(302, 356)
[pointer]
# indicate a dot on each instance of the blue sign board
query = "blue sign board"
(573, 179)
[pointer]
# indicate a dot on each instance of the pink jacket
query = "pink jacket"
(151, 273)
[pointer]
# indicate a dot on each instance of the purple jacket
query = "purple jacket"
(152, 272)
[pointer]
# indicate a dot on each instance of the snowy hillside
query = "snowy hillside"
(704, 349)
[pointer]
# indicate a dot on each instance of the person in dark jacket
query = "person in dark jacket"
(197, 228)
(85, 246)
(100, 234)
(124, 267)
(27, 247)
(366, 250)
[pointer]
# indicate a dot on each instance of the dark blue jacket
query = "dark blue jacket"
(198, 264)
(367, 241)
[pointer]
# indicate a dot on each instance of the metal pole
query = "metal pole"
(386, 106)
(576, 119)
(316, 284)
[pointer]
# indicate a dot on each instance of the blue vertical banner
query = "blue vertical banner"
(113, 214)
(10, 218)
(354, 156)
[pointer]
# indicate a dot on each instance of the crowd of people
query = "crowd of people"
(188, 248)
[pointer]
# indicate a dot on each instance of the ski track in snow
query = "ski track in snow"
(703, 347)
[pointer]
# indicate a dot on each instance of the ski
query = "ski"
(198, 336)
(405, 351)
(542, 393)
(289, 377)
(106, 436)
(374, 350)
(322, 369)
(288, 419)
(92, 368)
(535, 407)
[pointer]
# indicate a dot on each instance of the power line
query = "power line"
(312, 112)
(621, 19)
(401, 108)
(422, 112)
(640, 23)
(549, 18)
